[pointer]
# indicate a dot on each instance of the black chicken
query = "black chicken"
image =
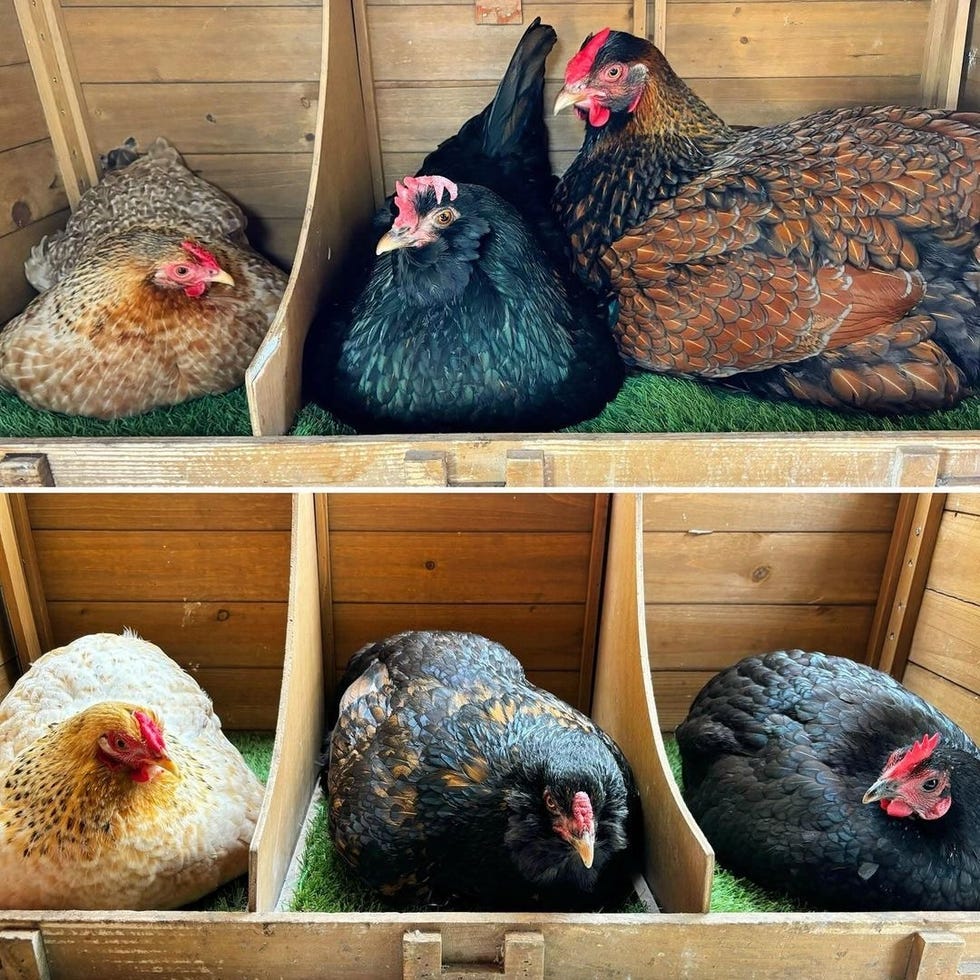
(452, 780)
(474, 324)
(826, 779)
(505, 147)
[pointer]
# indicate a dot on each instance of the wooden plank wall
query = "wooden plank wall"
(970, 91)
(32, 198)
(944, 662)
(753, 61)
(728, 575)
(205, 576)
(518, 568)
(8, 656)
(233, 87)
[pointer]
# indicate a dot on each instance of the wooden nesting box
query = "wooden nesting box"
(360, 560)
(307, 112)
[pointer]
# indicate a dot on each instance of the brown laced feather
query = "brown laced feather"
(741, 252)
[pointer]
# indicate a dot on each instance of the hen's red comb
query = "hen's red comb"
(203, 256)
(150, 731)
(920, 750)
(582, 811)
(408, 190)
(580, 64)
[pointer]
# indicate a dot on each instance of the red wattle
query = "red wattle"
(598, 114)
(196, 289)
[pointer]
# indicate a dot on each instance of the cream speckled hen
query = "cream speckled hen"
(151, 296)
(118, 788)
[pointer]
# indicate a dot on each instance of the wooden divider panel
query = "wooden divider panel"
(679, 860)
(299, 731)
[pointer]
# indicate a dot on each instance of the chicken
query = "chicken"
(151, 297)
(453, 780)
(825, 778)
(498, 337)
(137, 191)
(117, 787)
(505, 147)
(464, 325)
(834, 259)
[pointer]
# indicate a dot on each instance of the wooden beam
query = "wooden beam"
(327, 624)
(934, 956)
(20, 579)
(944, 52)
(907, 568)
(22, 955)
(61, 97)
(593, 599)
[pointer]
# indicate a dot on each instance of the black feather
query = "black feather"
(524, 346)
(438, 766)
(778, 752)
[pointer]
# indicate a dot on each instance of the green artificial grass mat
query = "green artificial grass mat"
(212, 415)
(729, 893)
(326, 884)
(655, 403)
(256, 750)
(646, 403)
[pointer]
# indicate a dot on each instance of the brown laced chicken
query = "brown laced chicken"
(118, 788)
(833, 259)
(150, 296)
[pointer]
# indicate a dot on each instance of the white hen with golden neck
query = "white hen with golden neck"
(108, 802)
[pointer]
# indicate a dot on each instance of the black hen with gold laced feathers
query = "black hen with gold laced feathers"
(452, 781)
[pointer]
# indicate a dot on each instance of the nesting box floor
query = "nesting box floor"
(647, 403)
(653, 403)
(212, 415)
(325, 884)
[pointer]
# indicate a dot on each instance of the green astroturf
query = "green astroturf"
(646, 403)
(730, 893)
(654, 403)
(212, 415)
(256, 750)
(326, 884)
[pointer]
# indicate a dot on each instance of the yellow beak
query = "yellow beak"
(566, 99)
(585, 845)
(165, 762)
(222, 276)
(394, 239)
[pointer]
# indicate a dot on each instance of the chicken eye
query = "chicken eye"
(181, 271)
(614, 71)
(930, 784)
(445, 217)
(549, 802)
(120, 744)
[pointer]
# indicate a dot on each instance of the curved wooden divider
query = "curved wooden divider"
(679, 860)
(339, 199)
(299, 728)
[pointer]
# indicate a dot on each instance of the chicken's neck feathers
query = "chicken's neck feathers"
(57, 796)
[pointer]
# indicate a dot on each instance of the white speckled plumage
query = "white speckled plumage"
(100, 839)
